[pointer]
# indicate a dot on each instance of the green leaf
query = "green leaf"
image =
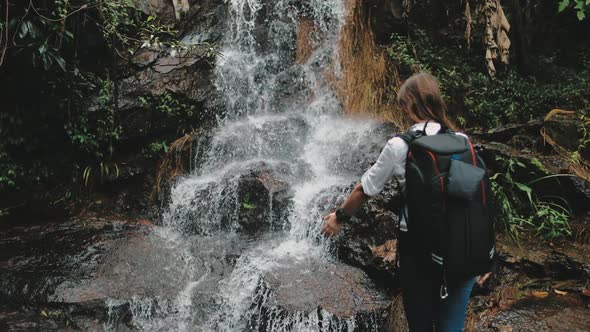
(581, 15)
(61, 62)
(43, 48)
(563, 4)
(526, 189)
(25, 27)
(69, 34)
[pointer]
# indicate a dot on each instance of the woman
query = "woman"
(422, 102)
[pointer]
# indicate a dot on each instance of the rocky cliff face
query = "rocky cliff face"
(163, 93)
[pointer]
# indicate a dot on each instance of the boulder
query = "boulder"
(263, 199)
(251, 197)
(552, 313)
(557, 261)
(144, 57)
(185, 73)
(359, 152)
(368, 241)
(205, 22)
(36, 261)
(311, 294)
(536, 286)
(172, 92)
(523, 135)
(98, 273)
(162, 9)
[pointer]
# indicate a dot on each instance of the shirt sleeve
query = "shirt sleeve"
(391, 164)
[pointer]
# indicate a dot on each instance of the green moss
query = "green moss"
(248, 206)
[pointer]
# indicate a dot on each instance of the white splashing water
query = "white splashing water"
(285, 115)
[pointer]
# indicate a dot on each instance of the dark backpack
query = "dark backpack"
(450, 217)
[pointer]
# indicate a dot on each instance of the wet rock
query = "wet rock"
(169, 63)
(172, 95)
(96, 274)
(506, 133)
(250, 198)
(534, 286)
(162, 9)
(553, 313)
(186, 74)
(310, 294)
(204, 22)
(558, 262)
(36, 260)
(291, 90)
(144, 57)
(118, 276)
(188, 77)
(48, 318)
(359, 152)
(58, 251)
(267, 138)
(562, 128)
(367, 241)
(263, 199)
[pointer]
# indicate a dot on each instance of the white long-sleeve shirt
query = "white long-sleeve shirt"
(392, 164)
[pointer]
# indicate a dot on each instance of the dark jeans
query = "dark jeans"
(420, 280)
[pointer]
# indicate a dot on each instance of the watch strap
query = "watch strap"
(341, 216)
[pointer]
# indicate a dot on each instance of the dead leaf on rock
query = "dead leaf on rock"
(540, 295)
(505, 304)
(386, 251)
(560, 292)
(505, 328)
(145, 222)
(586, 292)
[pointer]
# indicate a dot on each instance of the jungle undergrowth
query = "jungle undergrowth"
(521, 209)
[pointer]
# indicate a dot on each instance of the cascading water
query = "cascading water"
(284, 117)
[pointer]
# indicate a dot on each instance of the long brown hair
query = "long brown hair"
(421, 99)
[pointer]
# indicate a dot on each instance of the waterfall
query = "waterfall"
(282, 115)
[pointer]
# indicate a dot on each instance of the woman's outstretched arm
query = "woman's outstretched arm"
(391, 163)
(354, 201)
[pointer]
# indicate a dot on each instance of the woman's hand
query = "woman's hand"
(331, 225)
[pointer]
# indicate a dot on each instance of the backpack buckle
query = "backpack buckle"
(443, 292)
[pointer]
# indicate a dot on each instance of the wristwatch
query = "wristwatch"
(341, 216)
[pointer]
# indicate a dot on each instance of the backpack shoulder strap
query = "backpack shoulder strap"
(410, 136)
(445, 130)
